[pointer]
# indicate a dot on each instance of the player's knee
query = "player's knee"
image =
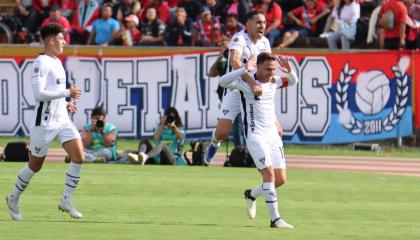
(280, 182)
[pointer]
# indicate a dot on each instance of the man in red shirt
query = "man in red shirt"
(207, 33)
(55, 17)
(392, 18)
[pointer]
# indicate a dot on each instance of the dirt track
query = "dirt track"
(401, 166)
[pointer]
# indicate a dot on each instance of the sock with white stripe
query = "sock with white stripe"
(72, 179)
(257, 191)
(270, 196)
(22, 181)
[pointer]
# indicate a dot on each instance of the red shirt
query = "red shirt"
(274, 14)
(62, 22)
(206, 30)
(305, 15)
(399, 10)
(39, 4)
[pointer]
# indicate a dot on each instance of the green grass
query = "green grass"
(311, 150)
(157, 202)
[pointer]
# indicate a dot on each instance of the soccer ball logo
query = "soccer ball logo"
(372, 92)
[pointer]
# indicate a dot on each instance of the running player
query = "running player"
(242, 45)
(261, 129)
(51, 120)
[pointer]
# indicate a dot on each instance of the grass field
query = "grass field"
(157, 202)
(311, 150)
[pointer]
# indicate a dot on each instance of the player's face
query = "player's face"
(256, 26)
(267, 70)
(58, 43)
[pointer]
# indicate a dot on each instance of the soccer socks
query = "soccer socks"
(256, 191)
(214, 140)
(72, 179)
(270, 196)
(22, 181)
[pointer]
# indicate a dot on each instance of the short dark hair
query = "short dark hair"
(98, 111)
(265, 56)
(107, 5)
(250, 15)
(51, 29)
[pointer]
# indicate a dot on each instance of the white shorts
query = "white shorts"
(267, 154)
(231, 105)
(41, 137)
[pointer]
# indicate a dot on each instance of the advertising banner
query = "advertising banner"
(340, 98)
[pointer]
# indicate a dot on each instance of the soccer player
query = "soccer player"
(242, 45)
(51, 120)
(261, 129)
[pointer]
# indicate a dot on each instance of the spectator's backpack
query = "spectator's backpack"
(240, 157)
(198, 150)
(16, 152)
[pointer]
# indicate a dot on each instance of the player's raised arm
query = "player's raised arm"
(228, 80)
(291, 78)
(235, 63)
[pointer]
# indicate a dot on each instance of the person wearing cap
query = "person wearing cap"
(207, 30)
(129, 34)
(306, 18)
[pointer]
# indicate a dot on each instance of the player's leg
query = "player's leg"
(279, 170)
(72, 144)
(230, 108)
(40, 140)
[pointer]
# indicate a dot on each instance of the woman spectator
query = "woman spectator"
(346, 16)
(169, 138)
(273, 17)
(152, 30)
(306, 18)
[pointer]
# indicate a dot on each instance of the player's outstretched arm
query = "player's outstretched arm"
(291, 78)
(228, 80)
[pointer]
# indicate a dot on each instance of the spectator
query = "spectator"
(104, 29)
(152, 30)
(207, 30)
(273, 17)
(87, 11)
(169, 139)
(129, 35)
(163, 11)
(67, 7)
(306, 18)
(231, 26)
(392, 18)
(125, 8)
(99, 138)
(238, 7)
(413, 23)
(346, 16)
(180, 32)
(26, 15)
(42, 9)
(55, 17)
(192, 7)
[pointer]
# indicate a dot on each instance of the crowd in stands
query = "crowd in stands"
(208, 23)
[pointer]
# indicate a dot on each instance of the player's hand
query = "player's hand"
(284, 64)
(71, 107)
(75, 92)
(251, 65)
(257, 90)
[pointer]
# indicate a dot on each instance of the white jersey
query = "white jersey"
(49, 88)
(260, 115)
(231, 104)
